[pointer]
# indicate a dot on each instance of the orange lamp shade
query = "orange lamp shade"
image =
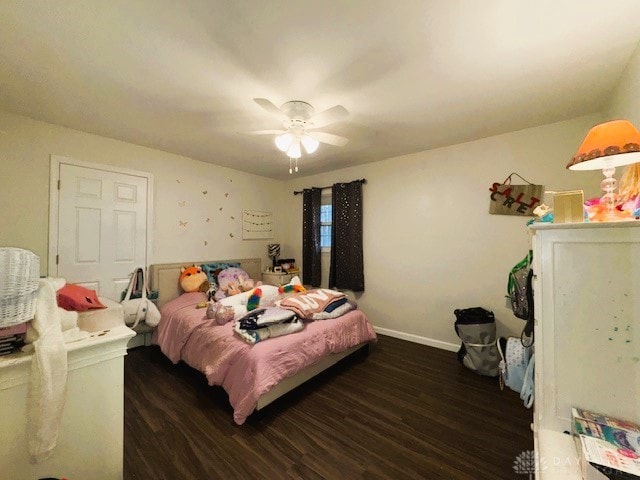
(614, 143)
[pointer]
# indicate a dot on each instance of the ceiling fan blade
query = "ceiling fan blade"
(270, 107)
(329, 138)
(266, 132)
(331, 115)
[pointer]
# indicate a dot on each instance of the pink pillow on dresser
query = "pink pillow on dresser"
(78, 298)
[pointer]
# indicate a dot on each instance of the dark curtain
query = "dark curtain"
(347, 264)
(311, 269)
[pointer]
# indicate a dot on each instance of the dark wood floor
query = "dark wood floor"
(405, 411)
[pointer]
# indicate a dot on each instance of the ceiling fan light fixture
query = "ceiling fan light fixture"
(284, 141)
(310, 144)
(299, 117)
(294, 149)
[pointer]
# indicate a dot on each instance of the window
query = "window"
(326, 212)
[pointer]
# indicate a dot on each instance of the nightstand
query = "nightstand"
(277, 279)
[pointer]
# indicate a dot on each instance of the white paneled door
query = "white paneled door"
(102, 227)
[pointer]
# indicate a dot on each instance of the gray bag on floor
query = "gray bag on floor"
(476, 327)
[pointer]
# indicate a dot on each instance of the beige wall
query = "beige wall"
(625, 101)
(430, 245)
(179, 183)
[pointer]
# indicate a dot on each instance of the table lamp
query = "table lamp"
(273, 252)
(607, 146)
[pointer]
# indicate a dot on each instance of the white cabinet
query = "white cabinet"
(90, 441)
(587, 331)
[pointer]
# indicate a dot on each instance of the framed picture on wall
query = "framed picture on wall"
(257, 224)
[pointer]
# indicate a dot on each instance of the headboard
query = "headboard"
(163, 277)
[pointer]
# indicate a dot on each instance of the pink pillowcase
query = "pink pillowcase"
(77, 298)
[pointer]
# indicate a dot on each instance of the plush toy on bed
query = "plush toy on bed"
(240, 286)
(249, 284)
(236, 306)
(232, 281)
(193, 279)
(231, 288)
(220, 313)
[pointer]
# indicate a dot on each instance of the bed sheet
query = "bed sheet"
(248, 371)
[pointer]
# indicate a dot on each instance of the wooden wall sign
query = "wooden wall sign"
(508, 199)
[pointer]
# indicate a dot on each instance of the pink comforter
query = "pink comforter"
(248, 371)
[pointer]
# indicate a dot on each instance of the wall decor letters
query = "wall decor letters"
(508, 199)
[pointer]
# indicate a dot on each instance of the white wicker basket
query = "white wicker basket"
(19, 273)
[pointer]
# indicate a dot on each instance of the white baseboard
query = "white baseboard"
(452, 347)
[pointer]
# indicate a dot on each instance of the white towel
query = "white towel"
(57, 283)
(68, 321)
(48, 376)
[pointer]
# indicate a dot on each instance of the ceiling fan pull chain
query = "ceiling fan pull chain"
(296, 165)
(290, 163)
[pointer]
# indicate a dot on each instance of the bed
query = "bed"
(252, 375)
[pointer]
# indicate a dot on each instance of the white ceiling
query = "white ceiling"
(180, 76)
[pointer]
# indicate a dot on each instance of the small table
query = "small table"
(275, 278)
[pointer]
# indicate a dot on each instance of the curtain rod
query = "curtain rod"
(362, 180)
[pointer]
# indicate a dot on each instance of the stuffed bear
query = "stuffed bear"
(193, 279)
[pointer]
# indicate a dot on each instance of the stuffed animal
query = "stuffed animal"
(254, 300)
(247, 284)
(234, 281)
(224, 314)
(232, 288)
(213, 288)
(267, 297)
(230, 277)
(193, 279)
(289, 288)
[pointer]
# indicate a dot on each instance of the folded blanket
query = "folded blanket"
(336, 312)
(278, 330)
(266, 316)
(335, 304)
(313, 301)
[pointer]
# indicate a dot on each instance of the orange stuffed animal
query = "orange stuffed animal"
(193, 279)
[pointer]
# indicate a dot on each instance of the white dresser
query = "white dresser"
(90, 441)
(587, 331)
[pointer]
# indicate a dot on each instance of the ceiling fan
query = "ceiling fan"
(299, 123)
